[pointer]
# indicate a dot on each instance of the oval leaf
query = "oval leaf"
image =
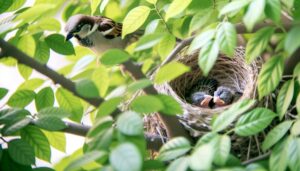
(205, 154)
(57, 43)
(44, 98)
(135, 19)
(87, 88)
(50, 123)
(21, 152)
(254, 121)
(208, 56)
(176, 7)
(276, 134)
(229, 115)
(130, 123)
(285, 97)
(126, 157)
(174, 148)
(113, 57)
(270, 75)
(170, 71)
(146, 104)
(21, 98)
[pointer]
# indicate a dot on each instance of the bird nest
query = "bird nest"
(234, 73)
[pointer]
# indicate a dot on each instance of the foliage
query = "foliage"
(28, 133)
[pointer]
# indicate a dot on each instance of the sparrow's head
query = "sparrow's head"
(79, 25)
(201, 99)
(223, 96)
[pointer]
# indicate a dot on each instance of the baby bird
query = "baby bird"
(224, 96)
(202, 92)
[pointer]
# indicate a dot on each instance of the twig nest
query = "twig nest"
(233, 72)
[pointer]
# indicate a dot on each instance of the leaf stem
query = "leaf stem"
(162, 19)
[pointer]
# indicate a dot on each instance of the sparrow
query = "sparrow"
(98, 33)
(202, 92)
(224, 96)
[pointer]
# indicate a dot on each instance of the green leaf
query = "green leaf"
(276, 134)
(176, 7)
(21, 98)
(285, 98)
(44, 98)
(146, 104)
(85, 159)
(42, 52)
(273, 10)
(35, 12)
(208, 56)
(166, 45)
(279, 157)
(229, 115)
(57, 43)
(203, 18)
(50, 123)
(201, 40)
(31, 84)
(174, 148)
(292, 41)
(135, 19)
(27, 45)
(8, 115)
(295, 130)
(101, 78)
(21, 152)
(114, 57)
(100, 126)
(254, 13)
(148, 41)
(234, 6)
(24, 70)
(258, 43)
(170, 71)
(56, 140)
(15, 125)
(294, 153)
(37, 139)
(45, 24)
(138, 85)
(70, 103)
(270, 75)
(223, 150)
(94, 5)
(53, 112)
(205, 154)
(179, 164)
(87, 88)
(126, 157)
(4, 5)
(130, 123)
(107, 107)
(254, 121)
(3, 92)
(171, 106)
(227, 38)
(16, 5)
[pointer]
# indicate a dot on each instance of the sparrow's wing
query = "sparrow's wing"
(109, 28)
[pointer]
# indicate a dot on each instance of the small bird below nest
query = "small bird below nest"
(207, 93)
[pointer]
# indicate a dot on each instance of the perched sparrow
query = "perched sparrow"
(202, 91)
(95, 32)
(224, 96)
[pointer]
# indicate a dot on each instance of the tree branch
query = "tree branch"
(172, 124)
(10, 50)
(154, 142)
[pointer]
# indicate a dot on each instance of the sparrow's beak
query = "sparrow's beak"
(206, 100)
(218, 101)
(69, 36)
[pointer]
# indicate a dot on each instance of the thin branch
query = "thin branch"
(10, 50)
(262, 157)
